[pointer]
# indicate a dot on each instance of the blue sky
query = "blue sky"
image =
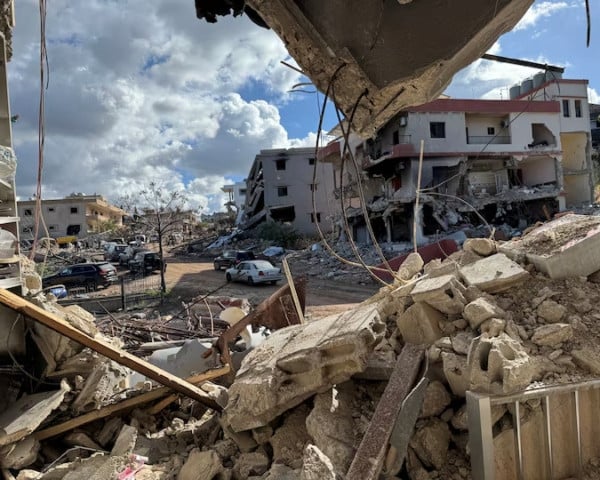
(143, 91)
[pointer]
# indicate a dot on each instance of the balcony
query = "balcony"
(488, 140)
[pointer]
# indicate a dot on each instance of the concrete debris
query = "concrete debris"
(493, 274)
(551, 311)
(480, 310)
(19, 455)
(481, 246)
(587, 359)
(436, 400)
(289, 440)
(552, 335)
(316, 465)
(444, 293)
(430, 443)
(202, 465)
(420, 324)
(410, 267)
(296, 362)
(456, 371)
(250, 464)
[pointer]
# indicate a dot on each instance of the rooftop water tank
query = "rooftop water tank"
(526, 86)
(514, 91)
(539, 79)
(551, 76)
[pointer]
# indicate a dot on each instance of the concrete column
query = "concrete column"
(388, 227)
(418, 217)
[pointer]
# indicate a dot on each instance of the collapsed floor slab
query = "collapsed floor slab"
(299, 361)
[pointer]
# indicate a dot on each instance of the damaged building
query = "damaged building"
(280, 188)
(507, 161)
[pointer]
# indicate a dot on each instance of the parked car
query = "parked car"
(89, 275)
(126, 255)
(230, 258)
(253, 272)
(114, 251)
(146, 262)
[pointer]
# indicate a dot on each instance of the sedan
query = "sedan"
(253, 272)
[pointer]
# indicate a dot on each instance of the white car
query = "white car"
(254, 271)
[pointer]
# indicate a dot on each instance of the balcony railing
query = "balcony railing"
(488, 140)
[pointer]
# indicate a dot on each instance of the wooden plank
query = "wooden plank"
(369, 457)
(128, 404)
(122, 357)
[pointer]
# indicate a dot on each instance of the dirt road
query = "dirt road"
(187, 279)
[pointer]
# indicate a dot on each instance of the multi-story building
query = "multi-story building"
(280, 187)
(510, 161)
(236, 198)
(76, 215)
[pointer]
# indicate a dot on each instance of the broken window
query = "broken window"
(28, 212)
(280, 164)
(74, 210)
(437, 129)
(311, 161)
(283, 214)
(282, 191)
(395, 138)
(491, 131)
(312, 217)
(73, 229)
(578, 108)
(50, 209)
(565, 106)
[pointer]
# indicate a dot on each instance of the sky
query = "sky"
(143, 91)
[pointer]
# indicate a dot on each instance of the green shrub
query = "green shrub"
(281, 234)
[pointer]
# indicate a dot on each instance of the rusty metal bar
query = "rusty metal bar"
(368, 461)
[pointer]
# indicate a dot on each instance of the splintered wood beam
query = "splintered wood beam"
(123, 406)
(122, 357)
(369, 457)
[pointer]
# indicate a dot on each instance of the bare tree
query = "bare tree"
(158, 211)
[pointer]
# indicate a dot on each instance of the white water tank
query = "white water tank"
(526, 86)
(551, 76)
(539, 79)
(514, 91)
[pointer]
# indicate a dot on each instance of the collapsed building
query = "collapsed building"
(510, 161)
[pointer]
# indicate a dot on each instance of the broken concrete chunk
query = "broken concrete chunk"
(493, 327)
(553, 334)
(410, 267)
(26, 415)
(109, 431)
(332, 427)
(587, 359)
(420, 324)
(19, 455)
(551, 311)
(102, 386)
(81, 439)
(436, 400)
(461, 342)
(289, 440)
(202, 465)
(499, 365)
(281, 472)
(456, 371)
(430, 443)
(316, 465)
(481, 246)
(460, 422)
(247, 464)
(296, 362)
(480, 310)
(493, 274)
(263, 434)
(125, 441)
(444, 293)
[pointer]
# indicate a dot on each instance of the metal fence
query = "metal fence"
(555, 442)
(140, 291)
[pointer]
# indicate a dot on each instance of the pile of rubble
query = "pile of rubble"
(308, 399)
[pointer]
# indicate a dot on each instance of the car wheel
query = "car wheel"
(250, 281)
(274, 282)
(228, 277)
(91, 286)
(217, 267)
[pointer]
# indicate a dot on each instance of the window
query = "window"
(51, 228)
(311, 161)
(27, 229)
(28, 212)
(491, 131)
(395, 138)
(282, 191)
(313, 187)
(74, 210)
(437, 129)
(578, 108)
(312, 217)
(566, 112)
(73, 229)
(50, 209)
(280, 164)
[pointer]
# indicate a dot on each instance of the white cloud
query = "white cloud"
(593, 95)
(141, 91)
(539, 11)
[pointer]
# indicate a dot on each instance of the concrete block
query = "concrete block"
(410, 267)
(587, 359)
(493, 274)
(552, 335)
(456, 371)
(444, 293)
(480, 310)
(498, 365)
(102, 386)
(125, 443)
(316, 465)
(566, 247)
(431, 442)
(420, 324)
(296, 362)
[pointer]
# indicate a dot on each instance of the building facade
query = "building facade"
(236, 198)
(280, 187)
(76, 215)
(508, 161)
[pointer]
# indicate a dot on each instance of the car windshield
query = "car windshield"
(229, 254)
(263, 265)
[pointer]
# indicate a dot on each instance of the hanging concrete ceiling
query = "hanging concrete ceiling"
(386, 55)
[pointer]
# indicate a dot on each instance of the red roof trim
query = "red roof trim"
(487, 106)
